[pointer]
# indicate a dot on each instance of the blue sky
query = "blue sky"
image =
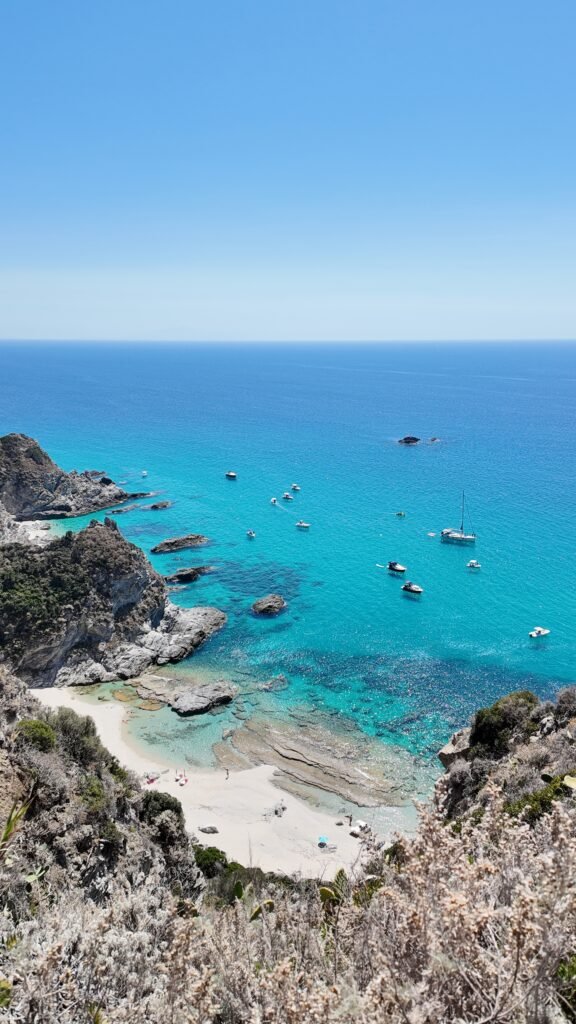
(253, 169)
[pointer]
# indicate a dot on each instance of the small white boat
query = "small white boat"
(400, 515)
(412, 588)
(287, 496)
(295, 487)
(538, 631)
(301, 525)
(452, 536)
(230, 475)
(144, 472)
(473, 564)
(250, 534)
(396, 567)
(273, 501)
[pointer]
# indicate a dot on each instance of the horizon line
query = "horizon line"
(289, 341)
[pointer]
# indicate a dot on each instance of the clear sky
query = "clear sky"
(258, 169)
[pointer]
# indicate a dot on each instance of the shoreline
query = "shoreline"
(240, 805)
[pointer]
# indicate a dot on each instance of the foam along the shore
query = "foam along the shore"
(239, 803)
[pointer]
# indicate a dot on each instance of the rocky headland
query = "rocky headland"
(84, 607)
(32, 486)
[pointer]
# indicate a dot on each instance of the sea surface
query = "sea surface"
(352, 647)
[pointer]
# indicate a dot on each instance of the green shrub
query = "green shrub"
(537, 803)
(78, 738)
(93, 794)
(154, 803)
(566, 975)
(5, 993)
(112, 836)
(494, 727)
(36, 733)
(210, 860)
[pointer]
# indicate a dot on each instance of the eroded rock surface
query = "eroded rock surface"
(32, 486)
(272, 604)
(191, 540)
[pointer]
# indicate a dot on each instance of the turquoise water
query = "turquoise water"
(328, 418)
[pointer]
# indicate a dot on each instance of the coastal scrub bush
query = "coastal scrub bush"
(78, 737)
(93, 794)
(565, 708)
(533, 805)
(155, 803)
(36, 733)
(494, 727)
(210, 860)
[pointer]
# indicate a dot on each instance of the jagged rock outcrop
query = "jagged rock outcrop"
(89, 607)
(191, 540)
(409, 439)
(186, 698)
(189, 575)
(32, 486)
(458, 746)
(272, 604)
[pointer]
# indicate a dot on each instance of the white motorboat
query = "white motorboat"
(273, 501)
(452, 536)
(295, 487)
(473, 564)
(301, 525)
(287, 496)
(396, 567)
(411, 588)
(250, 534)
(538, 631)
(230, 475)
(144, 472)
(400, 515)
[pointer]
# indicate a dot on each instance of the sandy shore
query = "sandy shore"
(237, 805)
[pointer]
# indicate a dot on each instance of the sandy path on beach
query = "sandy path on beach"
(236, 806)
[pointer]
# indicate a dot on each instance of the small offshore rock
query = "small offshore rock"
(189, 575)
(272, 604)
(191, 540)
(160, 504)
(409, 439)
(196, 700)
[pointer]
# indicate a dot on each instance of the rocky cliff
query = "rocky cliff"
(34, 487)
(89, 607)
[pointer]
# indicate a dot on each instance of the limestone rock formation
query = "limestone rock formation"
(188, 575)
(191, 540)
(272, 604)
(457, 746)
(32, 486)
(89, 607)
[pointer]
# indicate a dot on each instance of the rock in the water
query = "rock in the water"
(34, 487)
(198, 699)
(159, 504)
(458, 746)
(191, 540)
(272, 604)
(409, 439)
(188, 575)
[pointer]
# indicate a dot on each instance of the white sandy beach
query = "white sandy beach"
(236, 805)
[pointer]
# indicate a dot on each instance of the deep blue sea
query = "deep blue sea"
(328, 418)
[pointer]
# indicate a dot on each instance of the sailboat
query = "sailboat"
(451, 536)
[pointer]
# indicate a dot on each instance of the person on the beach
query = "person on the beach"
(227, 770)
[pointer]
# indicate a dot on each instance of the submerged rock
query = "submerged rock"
(272, 604)
(160, 504)
(191, 540)
(32, 486)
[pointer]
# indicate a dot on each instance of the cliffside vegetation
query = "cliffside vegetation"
(104, 917)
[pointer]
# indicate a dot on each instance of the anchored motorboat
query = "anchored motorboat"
(473, 564)
(273, 501)
(250, 534)
(396, 567)
(452, 536)
(412, 588)
(295, 487)
(538, 631)
(144, 472)
(301, 525)
(400, 515)
(230, 475)
(287, 496)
